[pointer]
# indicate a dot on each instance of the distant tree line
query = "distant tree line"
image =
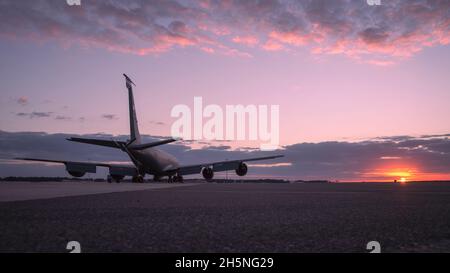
(47, 179)
(60, 179)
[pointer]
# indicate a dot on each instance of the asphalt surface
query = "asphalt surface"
(236, 218)
(18, 191)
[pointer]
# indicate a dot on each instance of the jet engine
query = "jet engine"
(76, 174)
(242, 169)
(208, 173)
(79, 169)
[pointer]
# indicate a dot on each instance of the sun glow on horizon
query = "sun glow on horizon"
(400, 171)
(401, 174)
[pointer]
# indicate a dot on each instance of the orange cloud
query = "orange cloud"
(291, 38)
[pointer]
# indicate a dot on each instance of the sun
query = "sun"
(400, 175)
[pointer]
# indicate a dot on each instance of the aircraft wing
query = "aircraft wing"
(89, 166)
(220, 165)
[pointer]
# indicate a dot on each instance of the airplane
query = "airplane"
(146, 158)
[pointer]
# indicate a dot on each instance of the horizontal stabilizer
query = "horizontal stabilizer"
(152, 144)
(100, 142)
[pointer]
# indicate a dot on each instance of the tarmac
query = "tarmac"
(219, 217)
(18, 191)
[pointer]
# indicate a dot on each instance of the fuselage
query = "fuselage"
(155, 161)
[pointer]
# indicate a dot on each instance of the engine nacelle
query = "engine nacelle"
(208, 173)
(242, 169)
(76, 174)
(79, 169)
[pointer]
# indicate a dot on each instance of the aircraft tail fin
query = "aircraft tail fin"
(134, 130)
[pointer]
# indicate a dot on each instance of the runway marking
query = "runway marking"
(20, 191)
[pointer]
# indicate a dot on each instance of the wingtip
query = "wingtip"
(22, 158)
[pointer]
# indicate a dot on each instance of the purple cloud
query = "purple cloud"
(35, 114)
(109, 116)
(63, 118)
(374, 34)
(424, 158)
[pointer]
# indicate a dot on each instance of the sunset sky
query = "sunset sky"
(364, 91)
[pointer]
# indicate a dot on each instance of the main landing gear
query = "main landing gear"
(175, 179)
(157, 178)
(138, 179)
(114, 178)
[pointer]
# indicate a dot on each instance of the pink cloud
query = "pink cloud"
(246, 40)
(380, 62)
(22, 101)
(272, 45)
(207, 49)
(395, 30)
(291, 38)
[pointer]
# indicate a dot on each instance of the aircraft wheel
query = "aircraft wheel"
(178, 178)
(156, 178)
(115, 178)
(138, 179)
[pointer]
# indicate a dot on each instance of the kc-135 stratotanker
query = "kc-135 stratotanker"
(146, 158)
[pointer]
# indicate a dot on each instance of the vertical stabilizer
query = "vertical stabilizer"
(134, 130)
